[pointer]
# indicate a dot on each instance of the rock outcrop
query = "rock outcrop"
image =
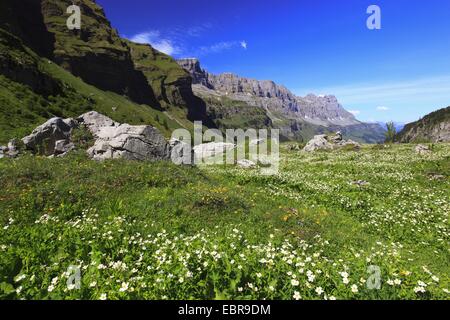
(327, 142)
(112, 139)
(44, 138)
(434, 127)
(144, 143)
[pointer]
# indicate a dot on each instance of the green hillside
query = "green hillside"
(44, 90)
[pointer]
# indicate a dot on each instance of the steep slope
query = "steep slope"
(434, 127)
(298, 118)
(171, 84)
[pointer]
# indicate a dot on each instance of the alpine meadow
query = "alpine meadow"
(135, 166)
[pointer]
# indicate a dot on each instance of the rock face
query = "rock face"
(229, 96)
(321, 110)
(46, 136)
(325, 142)
(434, 127)
(96, 53)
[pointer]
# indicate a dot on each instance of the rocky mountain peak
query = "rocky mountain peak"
(321, 110)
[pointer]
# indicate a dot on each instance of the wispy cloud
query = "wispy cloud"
(154, 38)
(354, 112)
(222, 46)
(383, 109)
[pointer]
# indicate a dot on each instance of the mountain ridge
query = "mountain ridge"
(284, 110)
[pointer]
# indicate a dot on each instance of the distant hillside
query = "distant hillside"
(434, 127)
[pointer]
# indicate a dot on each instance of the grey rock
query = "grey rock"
(51, 131)
(63, 147)
(324, 142)
(95, 121)
(143, 143)
(360, 183)
(337, 138)
(246, 164)
(422, 149)
(181, 152)
(319, 142)
(256, 142)
(212, 149)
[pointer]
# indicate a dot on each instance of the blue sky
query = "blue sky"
(400, 72)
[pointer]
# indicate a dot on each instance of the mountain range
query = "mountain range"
(48, 70)
(274, 105)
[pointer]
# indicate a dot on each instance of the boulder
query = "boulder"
(2, 148)
(128, 142)
(63, 147)
(181, 152)
(337, 138)
(349, 143)
(319, 142)
(256, 142)
(324, 142)
(212, 149)
(422, 149)
(246, 164)
(47, 134)
(95, 121)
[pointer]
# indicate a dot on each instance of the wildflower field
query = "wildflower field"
(331, 225)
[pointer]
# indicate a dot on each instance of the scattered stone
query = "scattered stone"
(212, 149)
(360, 183)
(422, 149)
(246, 164)
(325, 142)
(256, 142)
(12, 150)
(319, 142)
(436, 176)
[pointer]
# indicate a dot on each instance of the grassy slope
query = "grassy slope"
(148, 217)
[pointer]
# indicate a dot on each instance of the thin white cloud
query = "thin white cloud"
(383, 109)
(154, 39)
(222, 46)
(354, 112)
